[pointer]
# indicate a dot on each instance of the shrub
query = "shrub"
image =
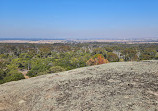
(14, 77)
(112, 57)
(38, 70)
(97, 59)
(55, 69)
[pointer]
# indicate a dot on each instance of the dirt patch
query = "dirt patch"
(24, 72)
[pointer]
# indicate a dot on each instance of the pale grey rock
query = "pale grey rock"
(120, 86)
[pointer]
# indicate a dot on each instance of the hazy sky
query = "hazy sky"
(78, 19)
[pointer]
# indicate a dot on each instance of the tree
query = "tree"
(55, 69)
(156, 56)
(36, 70)
(148, 54)
(97, 59)
(14, 77)
(2, 74)
(100, 51)
(108, 49)
(112, 57)
(129, 54)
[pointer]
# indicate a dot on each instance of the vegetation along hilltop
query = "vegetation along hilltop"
(23, 60)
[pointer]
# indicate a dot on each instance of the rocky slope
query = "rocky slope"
(123, 86)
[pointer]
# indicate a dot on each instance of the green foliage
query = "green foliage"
(12, 67)
(2, 64)
(3, 56)
(97, 55)
(37, 70)
(41, 59)
(55, 69)
(100, 51)
(129, 54)
(156, 56)
(11, 75)
(112, 57)
(148, 54)
(121, 60)
(108, 49)
(2, 74)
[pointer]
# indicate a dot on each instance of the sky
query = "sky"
(79, 19)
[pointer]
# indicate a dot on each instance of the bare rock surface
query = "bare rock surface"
(122, 86)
